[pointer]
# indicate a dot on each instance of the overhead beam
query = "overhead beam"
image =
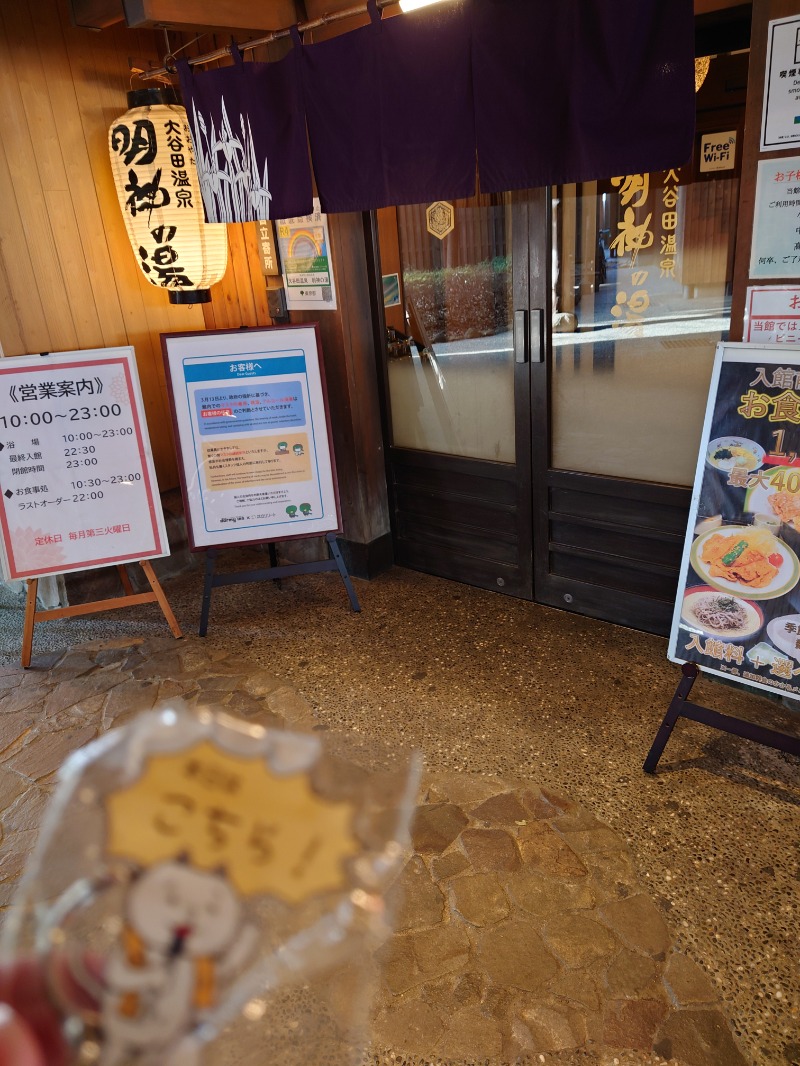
(96, 14)
(211, 14)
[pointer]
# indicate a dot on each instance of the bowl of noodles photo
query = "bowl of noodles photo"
(718, 614)
(725, 453)
(746, 561)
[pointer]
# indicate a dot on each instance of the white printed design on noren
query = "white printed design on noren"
(234, 188)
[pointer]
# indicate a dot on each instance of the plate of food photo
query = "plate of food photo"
(784, 632)
(725, 453)
(779, 498)
(718, 614)
(745, 560)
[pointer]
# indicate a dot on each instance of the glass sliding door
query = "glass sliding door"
(456, 376)
(451, 387)
(643, 294)
(641, 282)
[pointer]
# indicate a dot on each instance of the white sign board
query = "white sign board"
(780, 120)
(772, 314)
(718, 151)
(77, 484)
(251, 424)
(775, 251)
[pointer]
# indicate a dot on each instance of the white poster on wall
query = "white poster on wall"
(775, 249)
(306, 260)
(772, 314)
(77, 485)
(780, 120)
(251, 424)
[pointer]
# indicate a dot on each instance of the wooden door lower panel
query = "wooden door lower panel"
(614, 549)
(460, 519)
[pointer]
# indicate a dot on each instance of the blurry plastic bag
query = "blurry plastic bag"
(198, 879)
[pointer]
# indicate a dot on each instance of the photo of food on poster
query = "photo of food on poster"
(738, 607)
(77, 485)
(251, 423)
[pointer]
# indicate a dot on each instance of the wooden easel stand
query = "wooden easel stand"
(130, 599)
(680, 707)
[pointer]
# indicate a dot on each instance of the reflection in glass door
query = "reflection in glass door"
(642, 272)
(642, 297)
(451, 387)
(457, 383)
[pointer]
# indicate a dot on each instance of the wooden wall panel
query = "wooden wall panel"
(27, 192)
(25, 330)
(68, 277)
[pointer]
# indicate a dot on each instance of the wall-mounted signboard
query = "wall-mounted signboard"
(772, 314)
(780, 120)
(251, 424)
(306, 259)
(775, 250)
(738, 608)
(717, 151)
(77, 485)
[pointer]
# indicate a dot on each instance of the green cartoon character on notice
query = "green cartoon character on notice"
(283, 448)
(297, 449)
(305, 508)
(291, 510)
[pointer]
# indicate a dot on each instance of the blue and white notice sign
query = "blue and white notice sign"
(252, 432)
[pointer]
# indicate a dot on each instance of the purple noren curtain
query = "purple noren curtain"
(576, 90)
(549, 91)
(389, 110)
(249, 134)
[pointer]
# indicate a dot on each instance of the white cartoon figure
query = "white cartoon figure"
(184, 935)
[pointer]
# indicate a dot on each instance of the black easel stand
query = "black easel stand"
(273, 573)
(680, 707)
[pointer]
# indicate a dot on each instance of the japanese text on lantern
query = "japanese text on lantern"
(140, 144)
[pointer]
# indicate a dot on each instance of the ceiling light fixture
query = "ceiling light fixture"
(412, 5)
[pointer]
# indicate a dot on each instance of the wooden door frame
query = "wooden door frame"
(540, 281)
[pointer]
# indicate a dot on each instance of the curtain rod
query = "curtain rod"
(313, 24)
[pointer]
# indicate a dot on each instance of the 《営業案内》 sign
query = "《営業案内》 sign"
(77, 484)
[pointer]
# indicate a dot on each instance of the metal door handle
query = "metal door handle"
(528, 337)
(536, 339)
(521, 337)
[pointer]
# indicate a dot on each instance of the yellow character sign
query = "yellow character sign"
(271, 833)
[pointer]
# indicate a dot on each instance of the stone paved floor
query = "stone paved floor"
(524, 930)
(703, 856)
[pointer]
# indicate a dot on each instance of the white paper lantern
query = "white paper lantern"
(156, 178)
